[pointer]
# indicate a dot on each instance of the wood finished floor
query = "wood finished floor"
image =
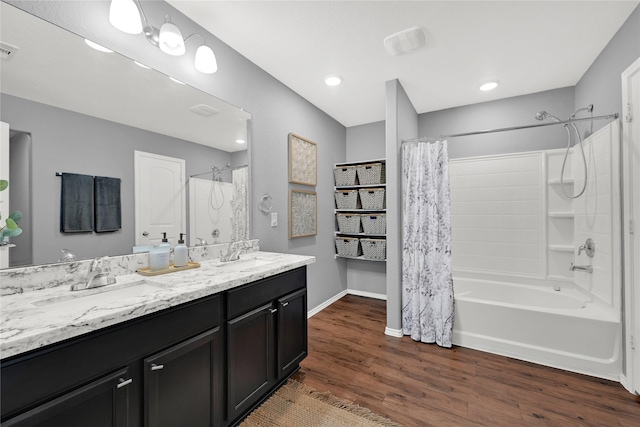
(418, 384)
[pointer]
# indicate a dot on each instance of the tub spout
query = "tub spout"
(585, 268)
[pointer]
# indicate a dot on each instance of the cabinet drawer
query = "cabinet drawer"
(248, 297)
(34, 378)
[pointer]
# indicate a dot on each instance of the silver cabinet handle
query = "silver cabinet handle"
(273, 310)
(155, 367)
(124, 382)
(286, 303)
(145, 233)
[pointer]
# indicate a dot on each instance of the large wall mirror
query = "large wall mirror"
(73, 109)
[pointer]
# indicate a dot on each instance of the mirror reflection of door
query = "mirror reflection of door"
(160, 199)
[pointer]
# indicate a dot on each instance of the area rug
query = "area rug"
(296, 405)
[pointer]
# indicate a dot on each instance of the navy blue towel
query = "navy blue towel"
(107, 204)
(76, 203)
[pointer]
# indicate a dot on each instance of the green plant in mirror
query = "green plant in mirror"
(10, 227)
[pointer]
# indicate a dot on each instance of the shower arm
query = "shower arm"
(537, 125)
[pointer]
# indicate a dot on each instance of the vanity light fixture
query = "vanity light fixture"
(96, 46)
(489, 86)
(126, 16)
(332, 80)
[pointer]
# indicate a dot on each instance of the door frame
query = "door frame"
(630, 378)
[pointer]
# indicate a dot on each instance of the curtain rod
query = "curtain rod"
(481, 132)
(219, 170)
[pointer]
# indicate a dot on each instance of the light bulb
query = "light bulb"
(124, 15)
(206, 60)
(171, 40)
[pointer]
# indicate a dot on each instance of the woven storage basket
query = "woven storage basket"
(347, 199)
(371, 173)
(372, 198)
(374, 223)
(348, 223)
(344, 175)
(348, 246)
(374, 248)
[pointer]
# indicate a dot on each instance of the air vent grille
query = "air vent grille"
(204, 110)
(8, 51)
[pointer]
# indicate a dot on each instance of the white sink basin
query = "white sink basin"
(98, 297)
(244, 264)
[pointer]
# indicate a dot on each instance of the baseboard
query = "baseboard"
(325, 304)
(393, 332)
(366, 294)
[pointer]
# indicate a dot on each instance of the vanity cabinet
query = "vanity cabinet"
(79, 378)
(266, 338)
(182, 385)
(104, 402)
(205, 363)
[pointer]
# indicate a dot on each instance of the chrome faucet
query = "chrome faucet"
(231, 255)
(201, 242)
(98, 276)
(585, 268)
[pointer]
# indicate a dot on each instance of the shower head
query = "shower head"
(588, 108)
(541, 115)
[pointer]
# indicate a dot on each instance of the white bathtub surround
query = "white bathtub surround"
(597, 216)
(27, 323)
(515, 236)
(427, 286)
(563, 329)
(38, 277)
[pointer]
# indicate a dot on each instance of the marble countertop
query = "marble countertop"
(35, 319)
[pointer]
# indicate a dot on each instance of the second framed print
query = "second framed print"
(303, 156)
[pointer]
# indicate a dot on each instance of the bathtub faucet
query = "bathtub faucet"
(585, 268)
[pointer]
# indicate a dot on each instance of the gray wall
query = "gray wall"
(601, 84)
(64, 141)
(402, 123)
(519, 110)
(366, 142)
(276, 111)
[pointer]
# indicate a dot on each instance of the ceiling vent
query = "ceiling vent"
(405, 41)
(204, 110)
(7, 51)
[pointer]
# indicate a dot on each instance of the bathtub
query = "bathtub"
(562, 329)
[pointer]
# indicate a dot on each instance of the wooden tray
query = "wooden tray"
(172, 269)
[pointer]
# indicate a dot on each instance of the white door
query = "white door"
(160, 199)
(4, 195)
(631, 156)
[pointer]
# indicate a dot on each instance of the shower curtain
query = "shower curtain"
(240, 204)
(427, 283)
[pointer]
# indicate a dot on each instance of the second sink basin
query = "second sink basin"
(98, 297)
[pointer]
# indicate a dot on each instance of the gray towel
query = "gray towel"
(107, 204)
(76, 203)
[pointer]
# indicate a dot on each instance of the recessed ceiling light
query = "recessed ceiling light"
(240, 141)
(96, 46)
(332, 80)
(141, 65)
(489, 86)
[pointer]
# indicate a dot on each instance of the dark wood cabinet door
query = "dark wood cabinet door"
(101, 403)
(183, 384)
(292, 332)
(250, 358)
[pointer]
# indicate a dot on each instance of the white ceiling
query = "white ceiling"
(528, 46)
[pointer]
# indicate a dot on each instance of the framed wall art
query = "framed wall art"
(303, 213)
(303, 156)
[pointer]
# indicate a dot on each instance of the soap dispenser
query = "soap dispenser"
(180, 253)
(165, 243)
